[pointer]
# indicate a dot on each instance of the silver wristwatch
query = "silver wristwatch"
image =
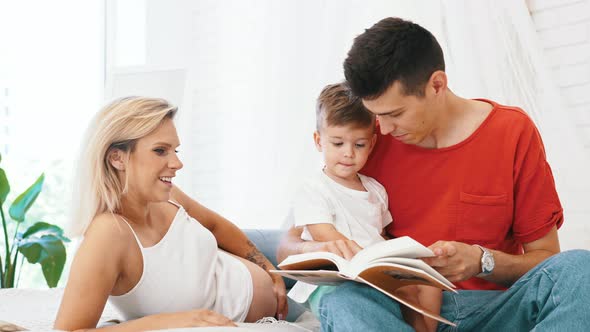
(487, 262)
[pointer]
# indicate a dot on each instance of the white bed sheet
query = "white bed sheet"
(35, 310)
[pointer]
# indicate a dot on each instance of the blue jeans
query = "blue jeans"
(553, 296)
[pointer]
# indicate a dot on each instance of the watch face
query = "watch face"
(487, 264)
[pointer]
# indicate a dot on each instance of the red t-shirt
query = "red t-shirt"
(494, 189)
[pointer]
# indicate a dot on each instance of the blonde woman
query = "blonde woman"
(158, 256)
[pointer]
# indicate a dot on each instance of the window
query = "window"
(51, 83)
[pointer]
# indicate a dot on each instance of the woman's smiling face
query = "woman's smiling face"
(153, 164)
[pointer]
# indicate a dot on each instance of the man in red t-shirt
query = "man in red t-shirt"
(469, 179)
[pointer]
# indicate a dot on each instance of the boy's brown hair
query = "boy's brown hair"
(338, 106)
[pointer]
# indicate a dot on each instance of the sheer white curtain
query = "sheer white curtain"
(255, 70)
(492, 51)
(255, 67)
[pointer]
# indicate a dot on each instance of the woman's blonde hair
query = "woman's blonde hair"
(97, 188)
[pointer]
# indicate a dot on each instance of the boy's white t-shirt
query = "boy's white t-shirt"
(358, 215)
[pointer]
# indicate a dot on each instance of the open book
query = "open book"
(385, 266)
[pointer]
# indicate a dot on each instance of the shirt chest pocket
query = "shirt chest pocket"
(483, 219)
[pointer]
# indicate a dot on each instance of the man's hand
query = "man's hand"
(459, 261)
(343, 248)
(456, 261)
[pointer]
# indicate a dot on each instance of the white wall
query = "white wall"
(563, 27)
(564, 30)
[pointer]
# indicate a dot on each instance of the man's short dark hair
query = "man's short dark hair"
(338, 106)
(392, 50)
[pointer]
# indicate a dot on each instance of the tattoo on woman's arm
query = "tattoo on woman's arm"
(255, 256)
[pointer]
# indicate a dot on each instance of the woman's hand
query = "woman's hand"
(280, 292)
(192, 318)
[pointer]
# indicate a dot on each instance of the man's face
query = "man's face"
(407, 118)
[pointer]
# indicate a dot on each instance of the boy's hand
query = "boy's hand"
(343, 248)
(327, 238)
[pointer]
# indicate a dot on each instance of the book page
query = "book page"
(392, 276)
(314, 261)
(314, 277)
(403, 246)
(409, 262)
(389, 290)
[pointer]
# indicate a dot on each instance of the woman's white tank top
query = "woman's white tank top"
(184, 271)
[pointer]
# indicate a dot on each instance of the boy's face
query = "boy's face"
(345, 148)
(409, 119)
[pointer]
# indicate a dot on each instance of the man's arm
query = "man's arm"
(292, 244)
(459, 261)
(511, 267)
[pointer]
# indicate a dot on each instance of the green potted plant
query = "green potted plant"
(41, 242)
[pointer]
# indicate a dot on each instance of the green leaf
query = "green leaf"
(4, 186)
(42, 228)
(50, 252)
(23, 202)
